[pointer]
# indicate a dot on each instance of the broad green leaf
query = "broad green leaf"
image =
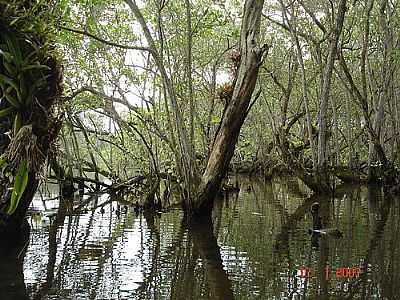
(20, 183)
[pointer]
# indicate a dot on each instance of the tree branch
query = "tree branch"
(88, 34)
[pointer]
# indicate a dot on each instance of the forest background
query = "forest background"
(162, 96)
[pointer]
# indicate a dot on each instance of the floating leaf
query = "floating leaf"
(20, 183)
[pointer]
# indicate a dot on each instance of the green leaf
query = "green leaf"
(22, 87)
(14, 21)
(36, 67)
(10, 69)
(17, 123)
(7, 111)
(7, 56)
(6, 80)
(30, 57)
(3, 161)
(215, 120)
(9, 97)
(14, 48)
(20, 183)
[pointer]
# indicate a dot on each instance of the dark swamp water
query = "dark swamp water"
(258, 248)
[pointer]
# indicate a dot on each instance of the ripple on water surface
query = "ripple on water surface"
(258, 248)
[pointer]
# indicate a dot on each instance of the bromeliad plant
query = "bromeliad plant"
(22, 77)
(30, 83)
(20, 183)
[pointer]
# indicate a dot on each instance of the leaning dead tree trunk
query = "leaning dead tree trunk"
(30, 86)
(236, 111)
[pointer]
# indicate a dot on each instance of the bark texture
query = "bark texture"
(236, 111)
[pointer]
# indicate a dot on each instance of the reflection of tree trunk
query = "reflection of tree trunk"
(376, 233)
(323, 253)
(217, 212)
(350, 220)
(184, 279)
(282, 238)
(115, 233)
(151, 280)
(206, 244)
(379, 207)
(392, 276)
(374, 197)
(12, 284)
(59, 221)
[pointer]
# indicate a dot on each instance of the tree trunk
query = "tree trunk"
(31, 122)
(326, 86)
(292, 24)
(236, 111)
(185, 158)
(383, 95)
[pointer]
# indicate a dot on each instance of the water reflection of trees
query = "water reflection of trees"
(52, 254)
(195, 269)
(263, 242)
(380, 259)
(380, 277)
(279, 263)
(12, 283)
